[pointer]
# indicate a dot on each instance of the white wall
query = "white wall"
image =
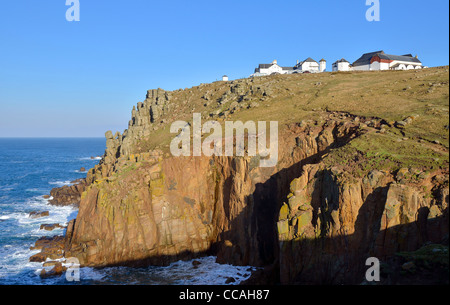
(272, 69)
(344, 66)
(362, 68)
(310, 66)
(341, 66)
(375, 66)
(322, 66)
(406, 65)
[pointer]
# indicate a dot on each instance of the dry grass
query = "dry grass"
(388, 95)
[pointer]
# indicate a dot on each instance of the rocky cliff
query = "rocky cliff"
(331, 224)
(348, 184)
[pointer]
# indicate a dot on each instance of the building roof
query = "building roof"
(265, 66)
(340, 60)
(287, 68)
(366, 58)
(322, 60)
(309, 59)
(407, 58)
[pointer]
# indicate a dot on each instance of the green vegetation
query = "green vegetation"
(386, 152)
(429, 256)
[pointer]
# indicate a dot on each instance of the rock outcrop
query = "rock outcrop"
(68, 194)
(51, 248)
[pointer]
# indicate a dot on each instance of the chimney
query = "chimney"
(416, 56)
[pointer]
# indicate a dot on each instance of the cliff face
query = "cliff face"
(157, 209)
(346, 186)
(330, 225)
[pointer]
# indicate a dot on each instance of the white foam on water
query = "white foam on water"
(17, 216)
(60, 183)
(35, 190)
(208, 272)
(89, 158)
(92, 274)
(57, 214)
(15, 261)
(8, 187)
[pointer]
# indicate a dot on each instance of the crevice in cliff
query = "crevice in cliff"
(252, 238)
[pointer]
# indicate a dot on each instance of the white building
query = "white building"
(381, 61)
(310, 65)
(272, 68)
(225, 78)
(341, 65)
(322, 65)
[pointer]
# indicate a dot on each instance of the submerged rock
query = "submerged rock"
(36, 214)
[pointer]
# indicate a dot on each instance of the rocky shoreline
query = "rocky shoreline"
(52, 248)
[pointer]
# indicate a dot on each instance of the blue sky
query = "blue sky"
(79, 79)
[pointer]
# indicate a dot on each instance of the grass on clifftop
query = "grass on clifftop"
(386, 152)
(388, 95)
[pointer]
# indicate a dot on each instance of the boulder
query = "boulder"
(36, 214)
(51, 227)
(57, 270)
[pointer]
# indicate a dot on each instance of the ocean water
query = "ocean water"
(29, 169)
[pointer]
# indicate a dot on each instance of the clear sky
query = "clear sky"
(79, 79)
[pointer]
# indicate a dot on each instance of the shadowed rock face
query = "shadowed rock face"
(167, 209)
(331, 225)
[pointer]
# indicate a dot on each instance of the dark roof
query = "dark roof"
(340, 60)
(265, 66)
(365, 59)
(309, 59)
(322, 60)
(287, 68)
(399, 58)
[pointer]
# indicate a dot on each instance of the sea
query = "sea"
(29, 169)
